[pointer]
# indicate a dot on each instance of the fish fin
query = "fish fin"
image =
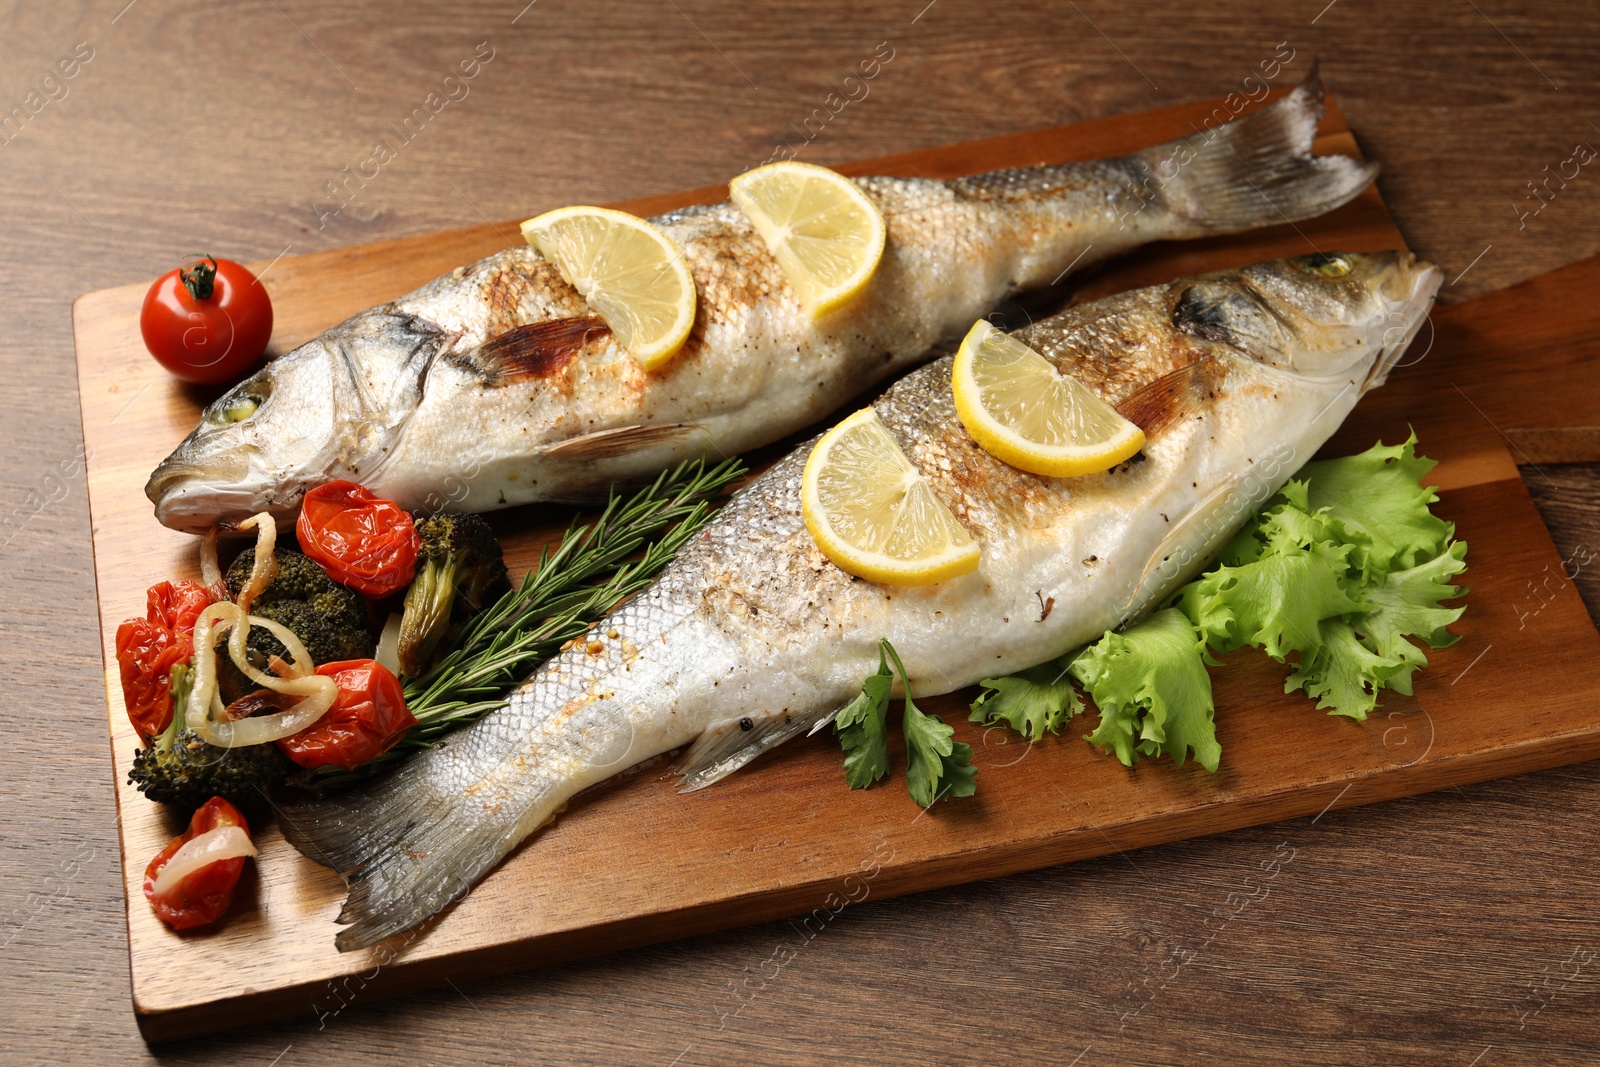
(1174, 397)
(406, 847)
(626, 440)
(1254, 171)
(1189, 545)
(536, 350)
(726, 747)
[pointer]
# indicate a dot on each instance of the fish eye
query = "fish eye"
(1325, 265)
(239, 408)
(240, 404)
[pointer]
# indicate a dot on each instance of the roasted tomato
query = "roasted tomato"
(148, 648)
(203, 894)
(361, 541)
(207, 322)
(368, 717)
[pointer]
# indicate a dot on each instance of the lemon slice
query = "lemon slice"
(1021, 410)
(873, 513)
(633, 277)
(823, 231)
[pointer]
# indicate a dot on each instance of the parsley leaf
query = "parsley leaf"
(933, 756)
(1031, 702)
(863, 728)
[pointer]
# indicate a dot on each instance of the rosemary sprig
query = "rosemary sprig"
(588, 572)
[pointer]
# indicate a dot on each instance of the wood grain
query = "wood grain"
(781, 840)
(1416, 931)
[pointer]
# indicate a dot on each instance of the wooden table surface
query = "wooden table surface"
(1459, 928)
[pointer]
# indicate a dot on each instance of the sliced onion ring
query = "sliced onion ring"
(265, 568)
(221, 843)
(203, 713)
(210, 570)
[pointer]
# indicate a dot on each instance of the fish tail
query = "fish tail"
(1254, 171)
(407, 848)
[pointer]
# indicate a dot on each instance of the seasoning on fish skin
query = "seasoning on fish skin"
(751, 637)
(497, 384)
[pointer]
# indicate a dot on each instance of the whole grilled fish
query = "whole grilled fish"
(495, 384)
(751, 635)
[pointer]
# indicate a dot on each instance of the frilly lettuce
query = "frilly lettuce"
(1035, 701)
(1152, 689)
(1335, 575)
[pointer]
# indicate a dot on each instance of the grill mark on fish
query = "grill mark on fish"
(502, 295)
(732, 271)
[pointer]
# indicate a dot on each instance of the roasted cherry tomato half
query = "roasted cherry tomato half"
(368, 717)
(361, 541)
(208, 322)
(148, 648)
(206, 893)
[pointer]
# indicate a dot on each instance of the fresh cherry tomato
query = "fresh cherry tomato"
(368, 717)
(364, 542)
(205, 894)
(207, 322)
(148, 648)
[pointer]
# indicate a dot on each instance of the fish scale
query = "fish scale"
(488, 399)
(751, 635)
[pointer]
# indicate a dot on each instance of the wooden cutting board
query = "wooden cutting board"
(637, 863)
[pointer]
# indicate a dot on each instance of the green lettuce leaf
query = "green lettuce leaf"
(1375, 503)
(1406, 603)
(1343, 675)
(1275, 603)
(1154, 694)
(1338, 575)
(1031, 702)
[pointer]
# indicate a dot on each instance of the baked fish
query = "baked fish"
(751, 636)
(496, 385)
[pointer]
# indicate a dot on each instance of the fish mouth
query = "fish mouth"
(196, 507)
(1408, 286)
(193, 499)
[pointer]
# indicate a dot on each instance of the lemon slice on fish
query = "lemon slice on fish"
(1020, 409)
(823, 231)
(628, 271)
(874, 514)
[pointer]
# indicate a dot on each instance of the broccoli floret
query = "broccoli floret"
(182, 770)
(330, 620)
(460, 570)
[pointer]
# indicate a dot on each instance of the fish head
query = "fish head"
(330, 409)
(1322, 316)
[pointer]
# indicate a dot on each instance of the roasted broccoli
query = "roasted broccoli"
(182, 770)
(330, 620)
(460, 570)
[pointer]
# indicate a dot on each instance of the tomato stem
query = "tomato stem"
(200, 278)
